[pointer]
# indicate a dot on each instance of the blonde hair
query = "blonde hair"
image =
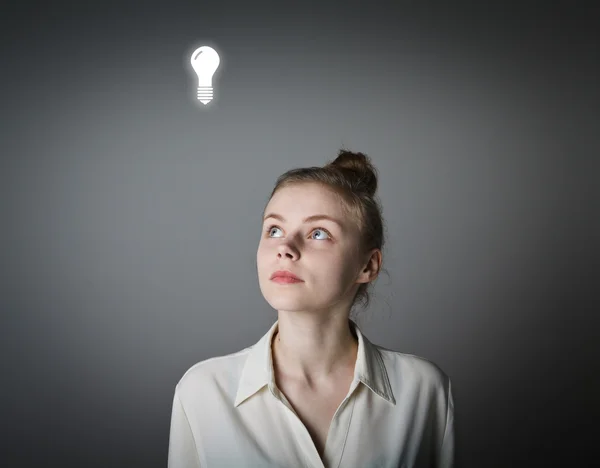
(353, 178)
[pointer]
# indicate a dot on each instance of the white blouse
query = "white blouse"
(228, 413)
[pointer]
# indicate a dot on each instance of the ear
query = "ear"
(372, 267)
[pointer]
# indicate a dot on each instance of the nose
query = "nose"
(287, 251)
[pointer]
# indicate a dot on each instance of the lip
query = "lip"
(283, 276)
(285, 280)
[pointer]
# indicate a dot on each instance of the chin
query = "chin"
(286, 300)
(282, 300)
(283, 294)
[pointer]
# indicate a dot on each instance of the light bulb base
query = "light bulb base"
(205, 94)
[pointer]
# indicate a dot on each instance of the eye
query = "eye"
(268, 231)
(322, 230)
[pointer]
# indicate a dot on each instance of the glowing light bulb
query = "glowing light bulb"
(205, 62)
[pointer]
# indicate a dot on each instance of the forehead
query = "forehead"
(305, 200)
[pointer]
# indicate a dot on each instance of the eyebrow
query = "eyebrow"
(308, 219)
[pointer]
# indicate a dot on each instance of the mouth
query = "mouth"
(285, 280)
(285, 277)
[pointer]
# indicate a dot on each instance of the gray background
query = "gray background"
(131, 214)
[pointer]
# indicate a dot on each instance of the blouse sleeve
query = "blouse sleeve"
(183, 452)
(446, 456)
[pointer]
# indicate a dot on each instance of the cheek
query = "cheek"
(334, 267)
(260, 255)
(264, 258)
(347, 270)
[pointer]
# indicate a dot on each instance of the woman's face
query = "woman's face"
(320, 252)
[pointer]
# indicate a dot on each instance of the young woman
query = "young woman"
(314, 391)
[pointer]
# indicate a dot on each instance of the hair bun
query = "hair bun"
(360, 165)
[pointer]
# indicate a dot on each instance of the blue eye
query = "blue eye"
(323, 230)
(268, 231)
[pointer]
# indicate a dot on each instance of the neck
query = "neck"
(309, 350)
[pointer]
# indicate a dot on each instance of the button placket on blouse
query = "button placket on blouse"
(295, 419)
(338, 429)
(331, 453)
(338, 432)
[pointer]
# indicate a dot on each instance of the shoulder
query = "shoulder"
(409, 369)
(213, 373)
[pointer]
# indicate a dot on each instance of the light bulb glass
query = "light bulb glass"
(205, 62)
